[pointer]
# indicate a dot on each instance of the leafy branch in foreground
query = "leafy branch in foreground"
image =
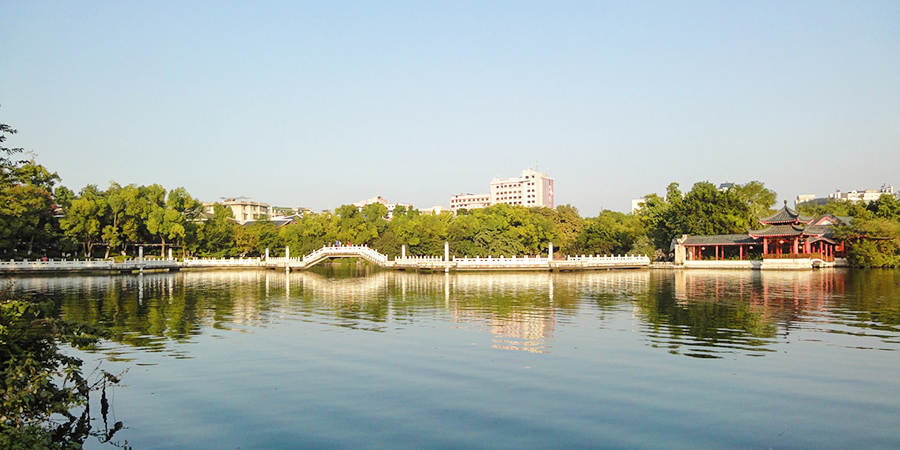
(43, 392)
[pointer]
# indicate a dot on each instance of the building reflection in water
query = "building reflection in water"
(697, 313)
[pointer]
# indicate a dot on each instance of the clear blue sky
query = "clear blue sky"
(325, 103)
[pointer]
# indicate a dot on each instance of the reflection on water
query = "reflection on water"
(706, 314)
(265, 359)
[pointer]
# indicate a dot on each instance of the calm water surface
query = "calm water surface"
(623, 359)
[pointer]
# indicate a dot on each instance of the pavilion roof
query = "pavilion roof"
(819, 230)
(778, 230)
(722, 239)
(785, 215)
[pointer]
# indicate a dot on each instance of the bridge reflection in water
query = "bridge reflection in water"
(694, 313)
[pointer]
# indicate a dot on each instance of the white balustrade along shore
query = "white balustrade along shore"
(54, 265)
(606, 258)
(536, 262)
(431, 263)
(222, 262)
(63, 265)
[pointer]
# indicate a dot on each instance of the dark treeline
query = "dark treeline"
(38, 218)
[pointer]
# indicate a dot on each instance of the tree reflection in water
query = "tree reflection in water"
(706, 314)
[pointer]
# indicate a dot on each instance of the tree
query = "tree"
(26, 200)
(611, 233)
(704, 210)
(216, 235)
(7, 164)
(872, 242)
(568, 225)
(886, 207)
(173, 220)
(83, 221)
(757, 197)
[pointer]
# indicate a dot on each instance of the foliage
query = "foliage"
(839, 208)
(611, 233)
(886, 207)
(704, 210)
(26, 200)
(7, 164)
(123, 217)
(42, 388)
(872, 242)
(758, 198)
(215, 236)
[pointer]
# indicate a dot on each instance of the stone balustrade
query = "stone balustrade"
(600, 258)
(404, 262)
(221, 262)
(502, 261)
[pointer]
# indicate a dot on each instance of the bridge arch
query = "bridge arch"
(350, 251)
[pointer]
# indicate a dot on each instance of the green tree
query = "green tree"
(569, 224)
(26, 200)
(83, 221)
(704, 210)
(872, 242)
(611, 233)
(758, 198)
(886, 207)
(7, 163)
(173, 220)
(216, 234)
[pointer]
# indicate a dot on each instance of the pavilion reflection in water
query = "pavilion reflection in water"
(711, 309)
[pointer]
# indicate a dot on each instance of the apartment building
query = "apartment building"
(242, 208)
(531, 188)
(864, 195)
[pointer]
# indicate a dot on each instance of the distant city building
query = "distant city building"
(290, 210)
(434, 210)
(245, 211)
(242, 209)
(865, 196)
(379, 199)
(469, 201)
(532, 188)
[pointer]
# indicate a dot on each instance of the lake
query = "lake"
(612, 359)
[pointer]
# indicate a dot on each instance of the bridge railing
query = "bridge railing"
(361, 250)
(606, 258)
(419, 259)
(221, 262)
(502, 261)
(282, 259)
(55, 264)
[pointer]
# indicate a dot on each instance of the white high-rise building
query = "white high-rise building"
(530, 189)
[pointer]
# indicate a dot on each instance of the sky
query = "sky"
(319, 104)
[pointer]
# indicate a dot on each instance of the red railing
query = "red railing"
(800, 256)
